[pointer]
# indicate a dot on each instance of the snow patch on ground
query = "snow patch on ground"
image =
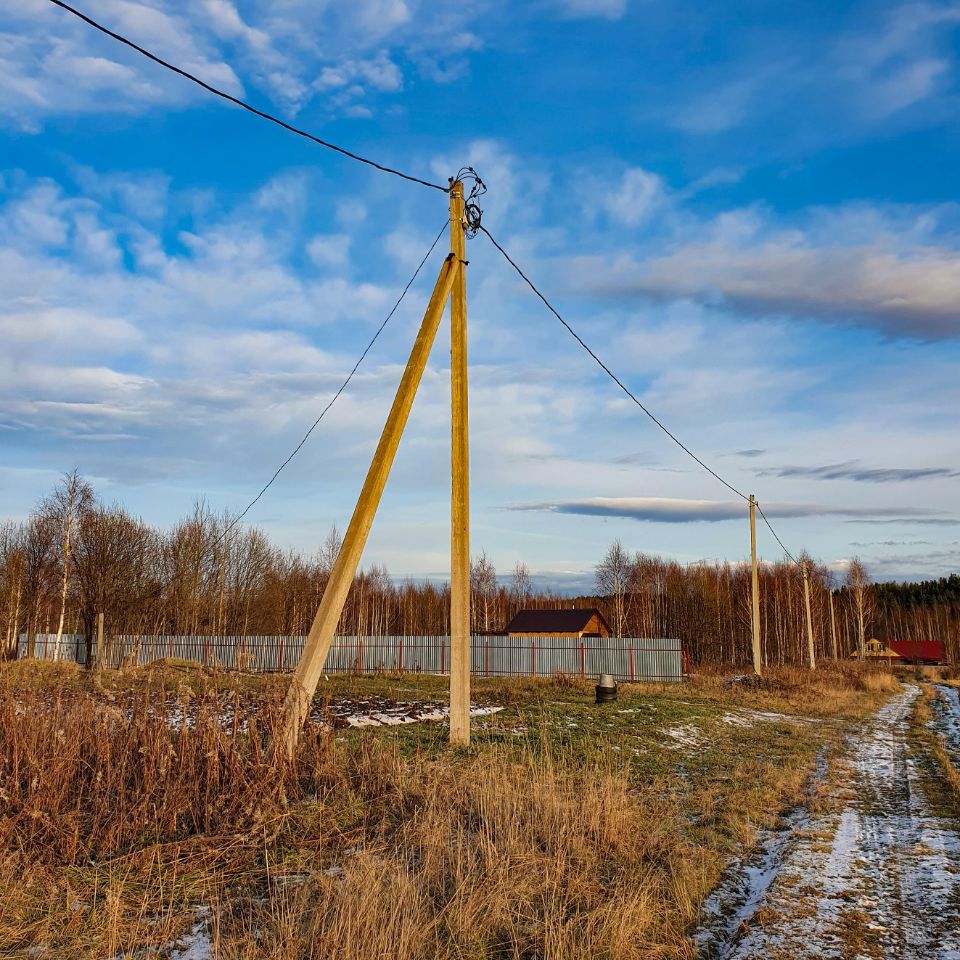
(196, 945)
(338, 713)
(687, 735)
(745, 882)
(880, 875)
(692, 735)
(406, 713)
(946, 718)
(745, 717)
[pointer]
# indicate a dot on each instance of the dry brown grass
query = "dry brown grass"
(117, 824)
(829, 691)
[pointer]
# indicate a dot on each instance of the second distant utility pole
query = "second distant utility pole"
(754, 585)
(811, 650)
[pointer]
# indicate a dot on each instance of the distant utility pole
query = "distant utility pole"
(317, 645)
(755, 585)
(806, 600)
(833, 622)
(460, 485)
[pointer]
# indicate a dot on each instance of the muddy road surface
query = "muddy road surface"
(876, 876)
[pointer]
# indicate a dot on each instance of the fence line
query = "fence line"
(626, 658)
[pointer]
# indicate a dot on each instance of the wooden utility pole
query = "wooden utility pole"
(833, 623)
(460, 486)
(317, 645)
(806, 600)
(755, 585)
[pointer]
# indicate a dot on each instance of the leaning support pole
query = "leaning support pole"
(755, 585)
(460, 489)
(806, 600)
(317, 646)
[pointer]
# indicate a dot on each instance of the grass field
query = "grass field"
(143, 816)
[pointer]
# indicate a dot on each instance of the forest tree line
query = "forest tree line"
(75, 557)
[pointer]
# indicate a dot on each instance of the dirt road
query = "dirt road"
(877, 876)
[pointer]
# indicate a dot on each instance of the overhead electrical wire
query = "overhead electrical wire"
(775, 536)
(242, 103)
(475, 227)
(343, 386)
(576, 336)
(625, 388)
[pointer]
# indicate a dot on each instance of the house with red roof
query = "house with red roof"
(906, 651)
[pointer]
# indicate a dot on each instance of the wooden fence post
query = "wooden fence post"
(99, 654)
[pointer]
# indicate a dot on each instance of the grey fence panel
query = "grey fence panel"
(626, 658)
(72, 648)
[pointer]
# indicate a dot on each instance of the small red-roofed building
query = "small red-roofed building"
(906, 651)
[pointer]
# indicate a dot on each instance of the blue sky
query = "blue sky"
(747, 208)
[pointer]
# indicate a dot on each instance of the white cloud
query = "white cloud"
(605, 9)
(330, 250)
(293, 52)
(636, 197)
(903, 280)
(377, 73)
(835, 84)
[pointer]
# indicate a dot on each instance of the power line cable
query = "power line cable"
(608, 371)
(775, 536)
(627, 391)
(242, 103)
(343, 386)
(475, 227)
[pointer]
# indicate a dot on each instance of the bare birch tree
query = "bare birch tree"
(613, 575)
(483, 585)
(70, 499)
(862, 599)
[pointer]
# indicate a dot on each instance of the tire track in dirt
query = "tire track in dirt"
(877, 877)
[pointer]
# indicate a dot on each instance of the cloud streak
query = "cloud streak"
(849, 470)
(675, 510)
(913, 292)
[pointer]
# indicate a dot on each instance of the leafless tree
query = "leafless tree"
(483, 587)
(522, 586)
(613, 575)
(184, 581)
(71, 498)
(11, 572)
(858, 583)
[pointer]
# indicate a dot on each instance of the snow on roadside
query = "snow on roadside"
(946, 718)
(745, 882)
(878, 876)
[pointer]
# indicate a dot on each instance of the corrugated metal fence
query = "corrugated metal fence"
(627, 658)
